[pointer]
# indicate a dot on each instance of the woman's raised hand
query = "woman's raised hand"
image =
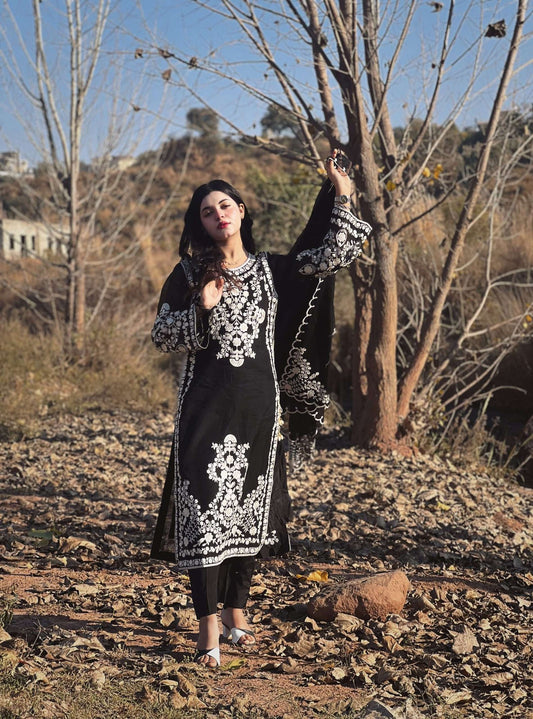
(339, 178)
(211, 293)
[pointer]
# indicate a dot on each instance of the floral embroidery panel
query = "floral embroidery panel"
(235, 322)
(231, 516)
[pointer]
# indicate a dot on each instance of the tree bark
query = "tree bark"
(360, 343)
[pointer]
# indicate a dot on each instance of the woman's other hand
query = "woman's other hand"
(339, 178)
(211, 293)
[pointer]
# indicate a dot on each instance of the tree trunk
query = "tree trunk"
(377, 423)
(360, 342)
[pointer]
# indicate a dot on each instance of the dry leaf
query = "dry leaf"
(69, 544)
(176, 701)
(465, 642)
(172, 683)
(233, 664)
(316, 576)
(167, 618)
(391, 644)
(98, 678)
(4, 636)
(498, 678)
(290, 666)
(339, 674)
(86, 589)
(186, 686)
(192, 702)
(457, 697)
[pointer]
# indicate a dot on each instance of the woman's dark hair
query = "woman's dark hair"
(196, 242)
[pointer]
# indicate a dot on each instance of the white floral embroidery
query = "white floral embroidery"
(299, 380)
(175, 331)
(301, 450)
(341, 245)
(235, 321)
(231, 517)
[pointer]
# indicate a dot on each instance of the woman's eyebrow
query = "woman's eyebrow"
(210, 207)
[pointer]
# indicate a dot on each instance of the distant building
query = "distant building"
(11, 164)
(122, 162)
(24, 238)
(115, 162)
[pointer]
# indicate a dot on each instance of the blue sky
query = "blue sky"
(191, 31)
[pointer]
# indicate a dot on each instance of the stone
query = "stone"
(372, 597)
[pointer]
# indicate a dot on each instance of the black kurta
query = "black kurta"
(225, 493)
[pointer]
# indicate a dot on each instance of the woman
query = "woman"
(225, 500)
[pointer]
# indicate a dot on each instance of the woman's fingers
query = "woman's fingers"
(211, 293)
(339, 178)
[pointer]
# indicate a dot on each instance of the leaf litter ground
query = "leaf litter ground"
(89, 620)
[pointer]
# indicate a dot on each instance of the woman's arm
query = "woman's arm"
(181, 324)
(345, 236)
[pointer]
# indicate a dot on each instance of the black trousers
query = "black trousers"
(227, 583)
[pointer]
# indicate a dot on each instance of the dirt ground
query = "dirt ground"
(84, 609)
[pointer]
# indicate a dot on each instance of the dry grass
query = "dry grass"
(121, 371)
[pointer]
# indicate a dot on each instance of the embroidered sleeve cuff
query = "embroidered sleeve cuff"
(342, 244)
(178, 331)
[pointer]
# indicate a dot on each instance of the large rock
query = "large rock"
(368, 598)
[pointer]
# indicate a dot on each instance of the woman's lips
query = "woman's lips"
(222, 225)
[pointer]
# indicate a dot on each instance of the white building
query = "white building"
(24, 238)
(12, 164)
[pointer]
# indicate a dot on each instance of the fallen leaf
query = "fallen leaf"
(4, 636)
(339, 674)
(316, 576)
(167, 618)
(69, 544)
(233, 664)
(498, 678)
(98, 678)
(451, 697)
(86, 589)
(465, 642)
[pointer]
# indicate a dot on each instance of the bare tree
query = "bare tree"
(360, 54)
(68, 80)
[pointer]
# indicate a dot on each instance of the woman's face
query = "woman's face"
(221, 216)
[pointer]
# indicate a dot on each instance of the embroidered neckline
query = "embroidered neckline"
(241, 268)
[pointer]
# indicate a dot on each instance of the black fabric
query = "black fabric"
(227, 584)
(226, 490)
(226, 438)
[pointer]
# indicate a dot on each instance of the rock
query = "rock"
(368, 598)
